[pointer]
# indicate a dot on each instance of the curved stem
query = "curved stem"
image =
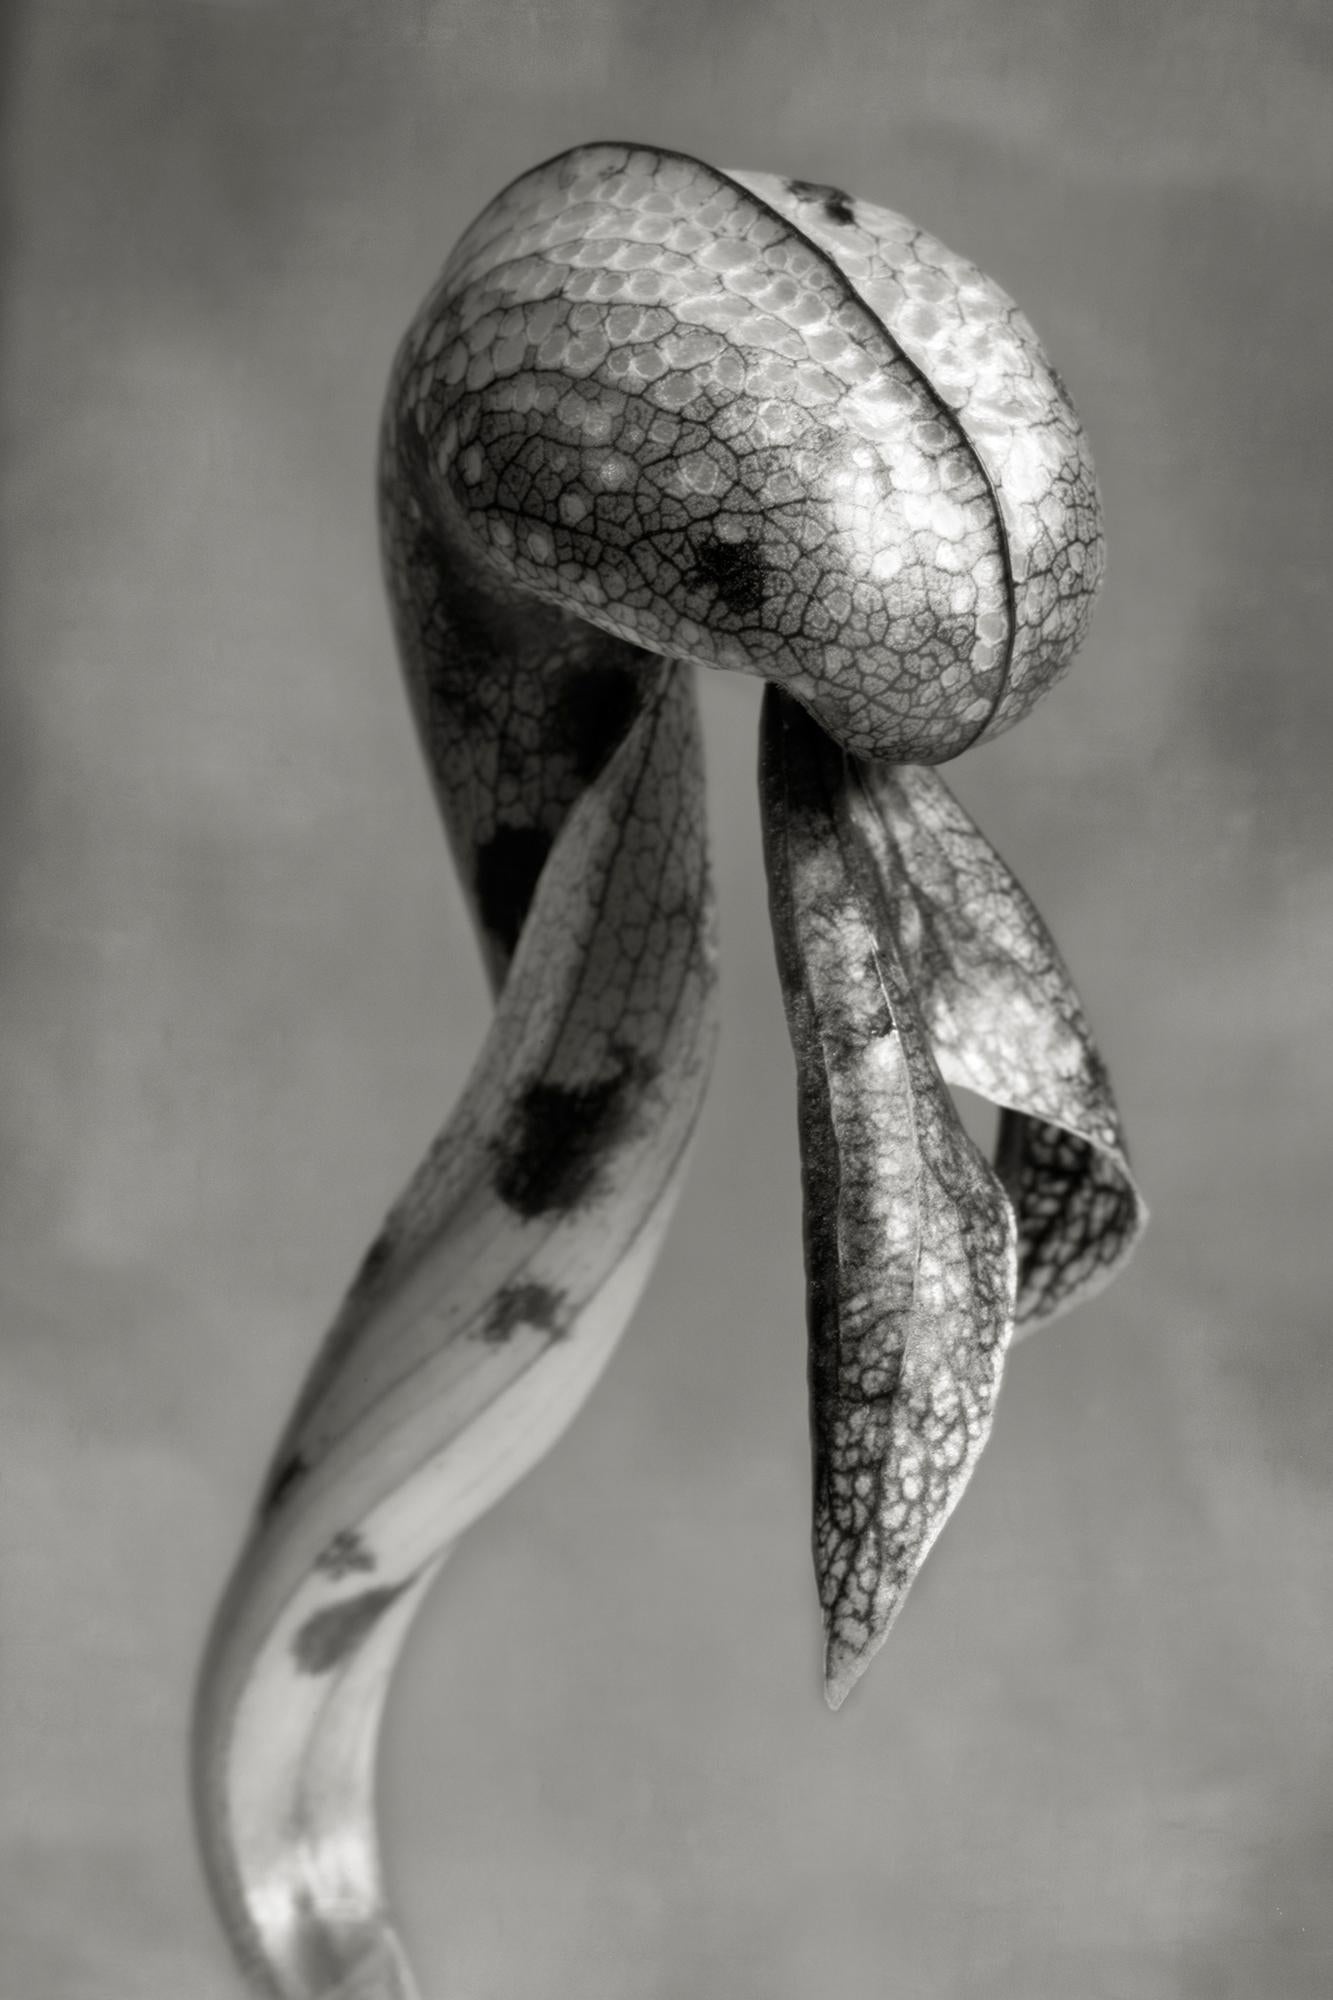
(474, 1334)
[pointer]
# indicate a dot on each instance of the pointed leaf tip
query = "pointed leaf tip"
(843, 1668)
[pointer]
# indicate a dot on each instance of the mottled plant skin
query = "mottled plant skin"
(655, 417)
(910, 1241)
(910, 960)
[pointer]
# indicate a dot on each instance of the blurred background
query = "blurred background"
(238, 993)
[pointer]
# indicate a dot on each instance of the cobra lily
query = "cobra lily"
(656, 417)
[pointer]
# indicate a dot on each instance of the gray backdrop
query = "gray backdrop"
(239, 993)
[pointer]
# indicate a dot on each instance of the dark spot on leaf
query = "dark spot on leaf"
(507, 868)
(345, 1555)
(282, 1482)
(594, 710)
(837, 205)
(332, 1636)
(735, 570)
(555, 1142)
(529, 1304)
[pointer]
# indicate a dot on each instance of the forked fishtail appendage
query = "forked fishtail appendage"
(655, 417)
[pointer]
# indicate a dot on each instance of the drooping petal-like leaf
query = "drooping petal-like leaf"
(1005, 1021)
(909, 1237)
